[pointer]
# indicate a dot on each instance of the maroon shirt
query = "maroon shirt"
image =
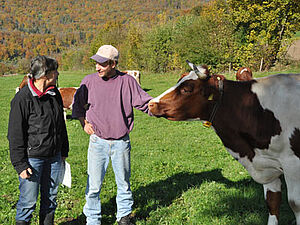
(111, 103)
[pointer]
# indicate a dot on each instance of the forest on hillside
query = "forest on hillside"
(31, 27)
(151, 35)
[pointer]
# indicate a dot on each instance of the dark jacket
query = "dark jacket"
(36, 128)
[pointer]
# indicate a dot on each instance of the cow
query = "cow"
(244, 74)
(67, 94)
(135, 73)
(258, 122)
(23, 83)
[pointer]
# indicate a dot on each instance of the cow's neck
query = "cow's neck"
(213, 107)
(241, 122)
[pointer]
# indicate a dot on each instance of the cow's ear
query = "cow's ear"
(192, 65)
(201, 71)
(215, 79)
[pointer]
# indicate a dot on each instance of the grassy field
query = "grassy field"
(181, 173)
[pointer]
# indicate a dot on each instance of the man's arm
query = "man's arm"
(140, 98)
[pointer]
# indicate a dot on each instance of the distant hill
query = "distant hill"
(31, 27)
(44, 16)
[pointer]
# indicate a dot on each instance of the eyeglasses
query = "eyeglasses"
(104, 64)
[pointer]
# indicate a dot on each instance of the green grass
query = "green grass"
(181, 173)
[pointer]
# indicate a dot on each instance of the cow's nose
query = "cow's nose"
(152, 105)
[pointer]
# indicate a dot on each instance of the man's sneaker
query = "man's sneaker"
(125, 220)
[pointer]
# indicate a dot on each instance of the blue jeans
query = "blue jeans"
(46, 177)
(99, 153)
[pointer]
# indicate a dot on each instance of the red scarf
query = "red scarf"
(37, 91)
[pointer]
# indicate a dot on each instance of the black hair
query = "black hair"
(41, 65)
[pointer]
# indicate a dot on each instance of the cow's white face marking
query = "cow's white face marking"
(192, 76)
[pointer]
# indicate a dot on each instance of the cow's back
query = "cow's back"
(281, 95)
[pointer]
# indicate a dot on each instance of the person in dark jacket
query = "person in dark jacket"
(38, 141)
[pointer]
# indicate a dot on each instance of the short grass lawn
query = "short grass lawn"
(181, 172)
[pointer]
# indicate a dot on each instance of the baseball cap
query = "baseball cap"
(105, 53)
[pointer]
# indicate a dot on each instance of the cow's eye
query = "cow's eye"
(186, 89)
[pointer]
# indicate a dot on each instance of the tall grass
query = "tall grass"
(181, 173)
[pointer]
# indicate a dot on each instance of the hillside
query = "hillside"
(31, 27)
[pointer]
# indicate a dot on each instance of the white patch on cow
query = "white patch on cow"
(243, 70)
(135, 74)
(163, 94)
(202, 70)
(280, 94)
(272, 220)
(274, 186)
(264, 168)
(68, 87)
(192, 76)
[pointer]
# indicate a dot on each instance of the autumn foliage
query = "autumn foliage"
(151, 35)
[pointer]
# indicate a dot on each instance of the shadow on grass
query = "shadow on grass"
(162, 193)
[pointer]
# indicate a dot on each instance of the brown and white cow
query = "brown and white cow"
(23, 83)
(258, 122)
(135, 73)
(67, 94)
(244, 74)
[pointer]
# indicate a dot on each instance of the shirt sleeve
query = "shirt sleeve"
(17, 136)
(65, 140)
(80, 103)
(140, 98)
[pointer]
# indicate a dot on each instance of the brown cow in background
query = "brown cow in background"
(244, 74)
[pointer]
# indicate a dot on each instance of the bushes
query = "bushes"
(157, 49)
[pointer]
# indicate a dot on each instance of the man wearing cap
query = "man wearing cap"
(110, 96)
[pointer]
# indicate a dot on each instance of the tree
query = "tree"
(264, 25)
(112, 33)
(157, 48)
(132, 47)
(206, 36)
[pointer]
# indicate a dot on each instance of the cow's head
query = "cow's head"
(191, 98)
(244, 74)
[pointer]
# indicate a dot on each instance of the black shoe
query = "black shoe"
(47, 219)
(125, 220)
